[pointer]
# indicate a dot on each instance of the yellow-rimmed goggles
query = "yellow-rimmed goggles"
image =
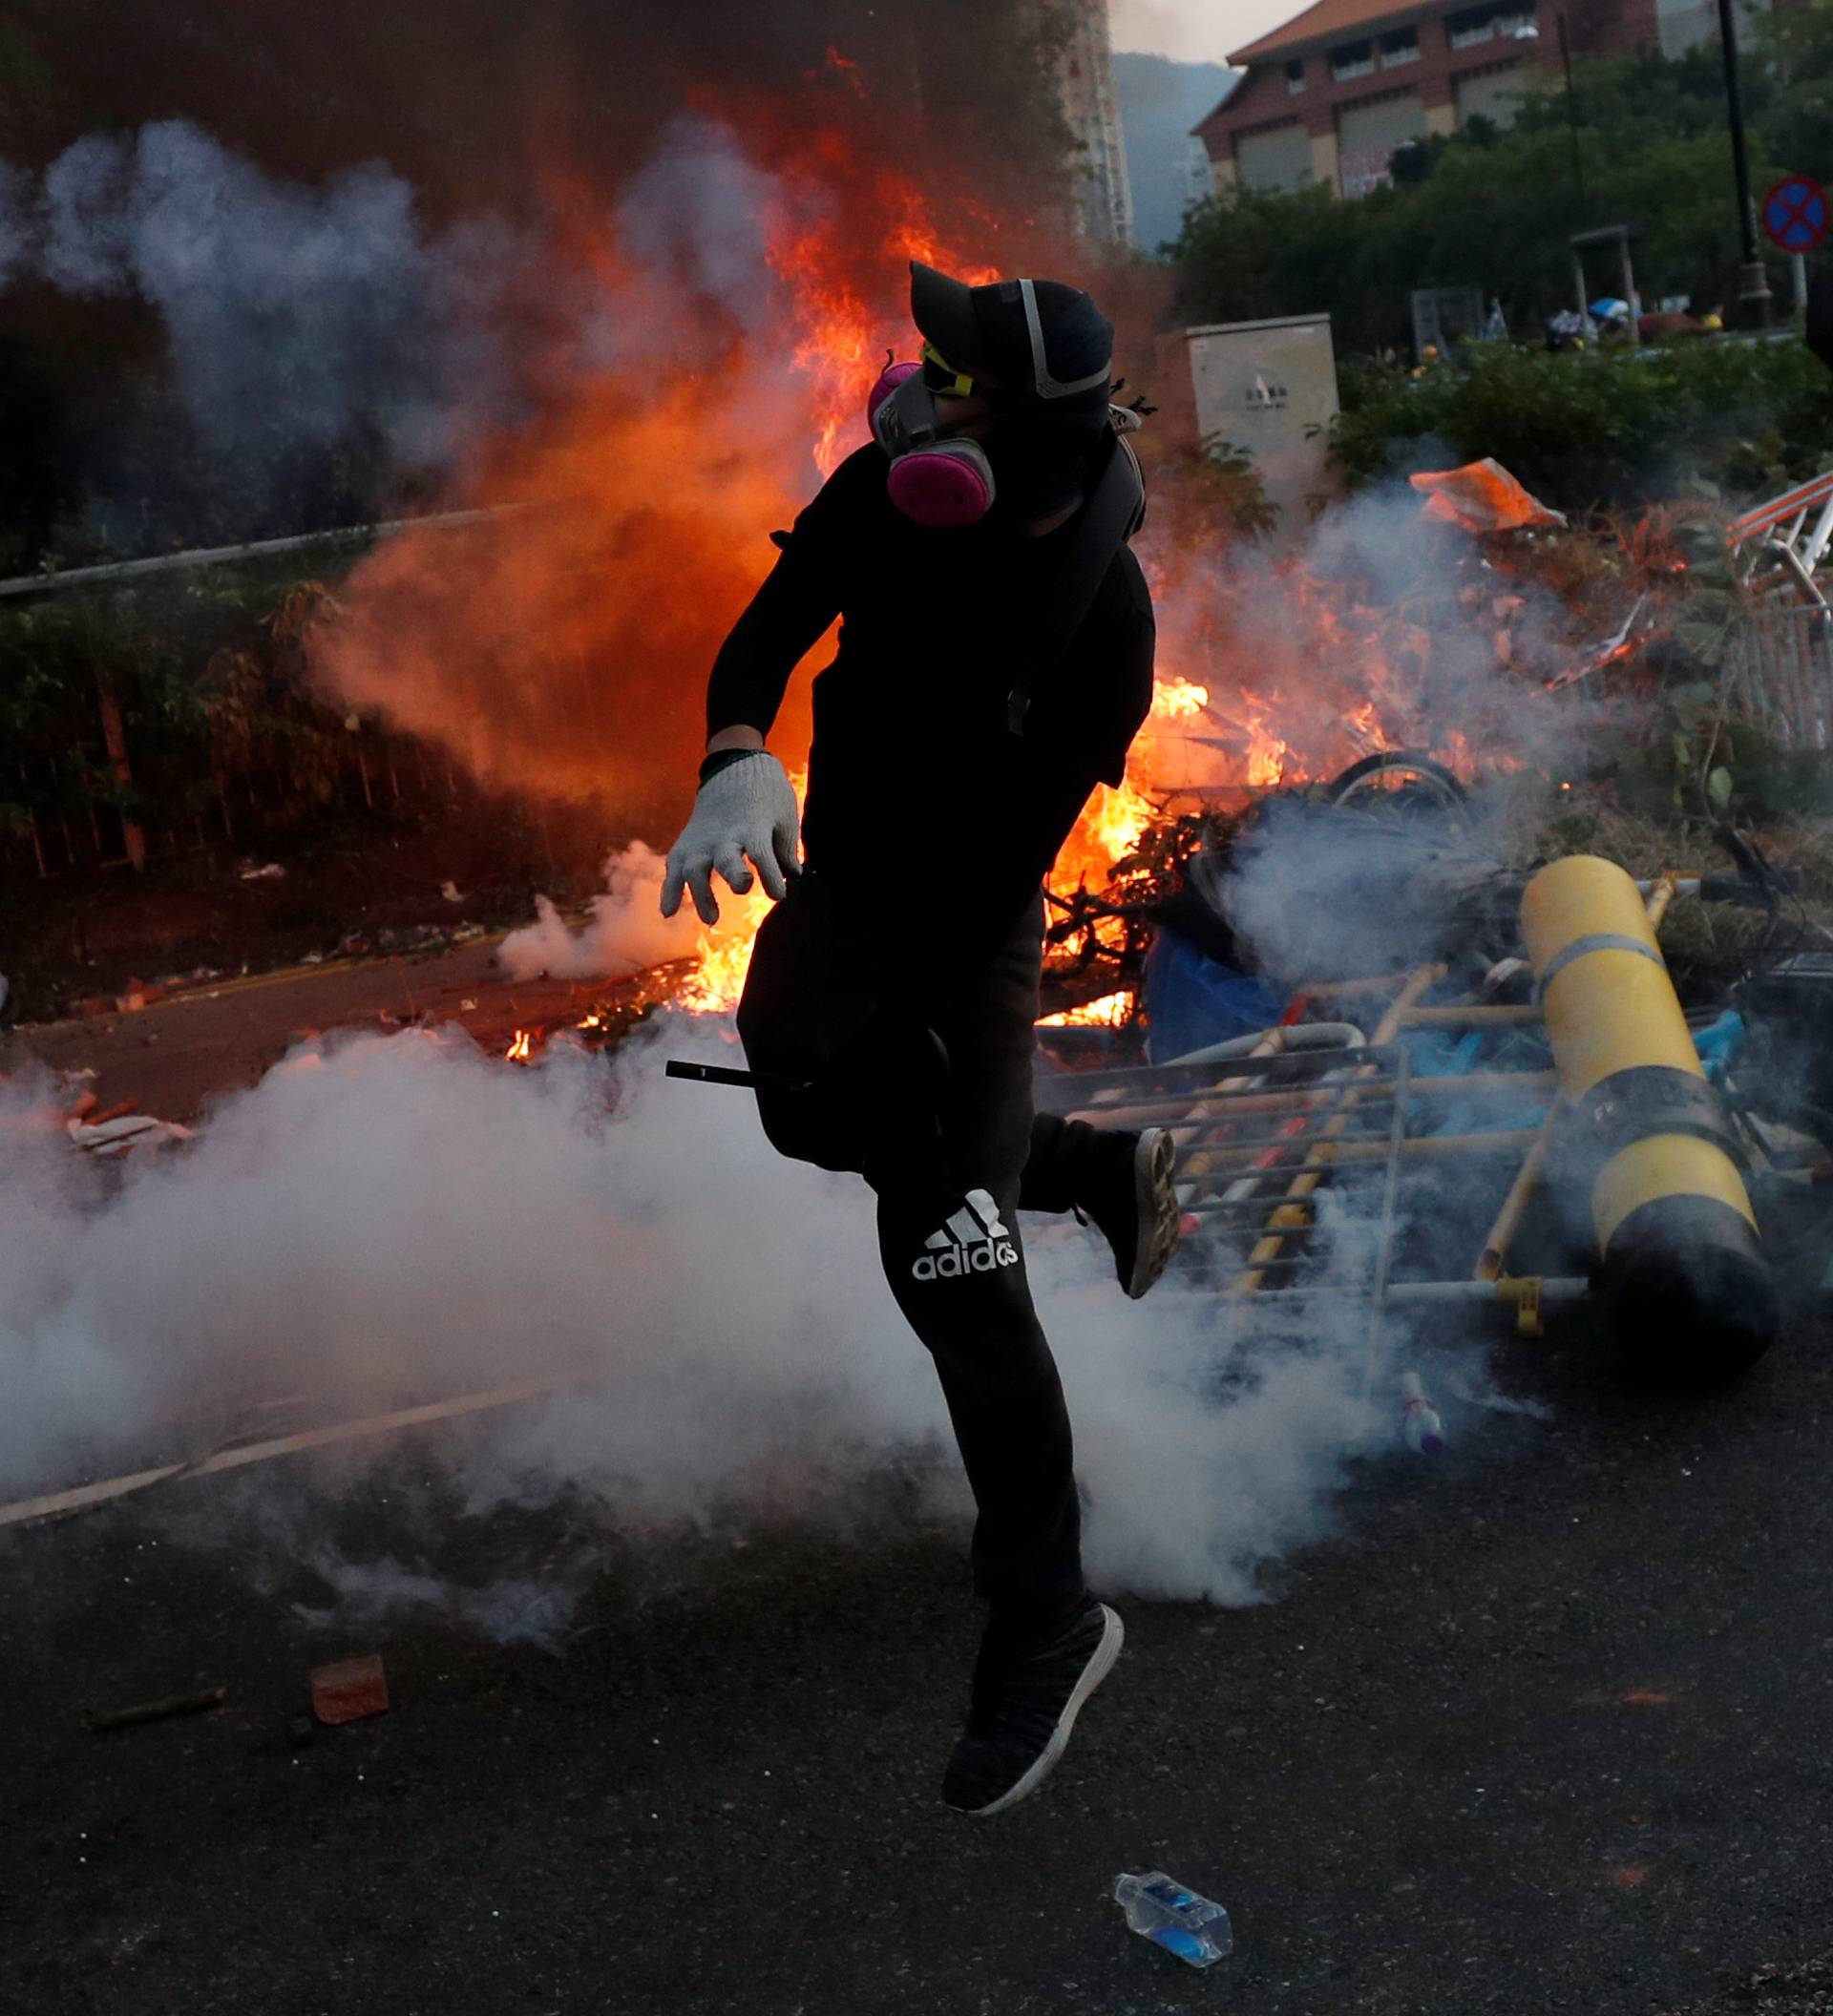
(942, 376)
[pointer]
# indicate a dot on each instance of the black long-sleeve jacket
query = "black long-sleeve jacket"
(914, 759)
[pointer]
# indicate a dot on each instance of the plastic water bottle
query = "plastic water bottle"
(1160, 1907)
(1419, 1422)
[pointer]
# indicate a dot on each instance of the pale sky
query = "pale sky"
(1196, 30)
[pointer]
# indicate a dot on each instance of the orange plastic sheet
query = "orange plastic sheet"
(1482, 496)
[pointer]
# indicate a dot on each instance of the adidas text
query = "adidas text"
(978, 1259)
(972, 1241)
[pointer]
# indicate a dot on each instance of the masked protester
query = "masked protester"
(994, 664)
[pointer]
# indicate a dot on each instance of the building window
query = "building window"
(1503, 20)
(1295, 74)
(1403, 45)
(1353, 59)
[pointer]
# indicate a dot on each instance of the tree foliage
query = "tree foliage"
(210, 679)
(1642, 141)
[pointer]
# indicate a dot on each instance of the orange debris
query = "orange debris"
(1482, 496)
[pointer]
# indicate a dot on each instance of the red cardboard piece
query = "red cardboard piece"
(351, 1689)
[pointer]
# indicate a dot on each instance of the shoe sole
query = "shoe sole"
(1155, 1199)
(1101, 1664)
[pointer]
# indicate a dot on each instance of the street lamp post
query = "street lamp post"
(1753, 282)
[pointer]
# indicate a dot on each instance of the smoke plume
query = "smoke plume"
(1372, 628)
(626, 933)
(289, 310)
(385, 1220)
(738, 301)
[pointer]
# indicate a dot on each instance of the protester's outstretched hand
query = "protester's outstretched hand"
(744, 812)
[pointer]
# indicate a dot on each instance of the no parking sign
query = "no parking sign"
(1794, 213)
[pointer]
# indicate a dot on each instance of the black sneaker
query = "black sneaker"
(1136, 1209)
(1023, 1709)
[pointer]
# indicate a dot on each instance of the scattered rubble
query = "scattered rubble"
(120, 1131)
(351, 1689)
(193, 1701)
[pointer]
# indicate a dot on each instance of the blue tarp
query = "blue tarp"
(1192, 1000)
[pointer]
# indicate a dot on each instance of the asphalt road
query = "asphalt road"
(172, 1057)
(1547, 1726)
(1544, 1727)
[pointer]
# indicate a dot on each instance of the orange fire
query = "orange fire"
(723, 957)
(1178, 699)
(521, 1047)
(842, 337)
(556, 649)
(1267, 757)
(551, 647)
(1112, 1011)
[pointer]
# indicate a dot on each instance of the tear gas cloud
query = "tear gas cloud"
(397, 1217)
(626, 930)
(1372, 628)
(659, 327)
(287, 309)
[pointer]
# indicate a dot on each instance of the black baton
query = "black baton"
(719, 1074)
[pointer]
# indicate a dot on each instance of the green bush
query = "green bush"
(1604, 425)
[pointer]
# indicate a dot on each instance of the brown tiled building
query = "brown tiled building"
(1329, 96)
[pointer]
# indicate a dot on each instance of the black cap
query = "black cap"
(1032, 339)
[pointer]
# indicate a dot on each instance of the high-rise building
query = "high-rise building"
(1093, 111)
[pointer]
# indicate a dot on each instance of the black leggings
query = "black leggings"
(951, 1174)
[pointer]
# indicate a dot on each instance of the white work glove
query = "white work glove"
(747, 808)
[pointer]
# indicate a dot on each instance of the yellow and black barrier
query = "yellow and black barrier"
(1680, 1268)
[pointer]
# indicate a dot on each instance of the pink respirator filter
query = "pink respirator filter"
(889, 380)
(939, 487)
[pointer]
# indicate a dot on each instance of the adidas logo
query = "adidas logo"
(973, 1242)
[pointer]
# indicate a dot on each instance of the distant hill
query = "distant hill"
(1160, 101)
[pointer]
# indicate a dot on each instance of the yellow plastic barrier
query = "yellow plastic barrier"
(1680, 1264)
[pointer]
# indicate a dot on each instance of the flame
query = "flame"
(1112, 1011)
(627, 517)
(521, 1047)
(496, 640)
(1178, 699)
(722, 956)
(1267, 758)
(1118, 819)
(841, 336)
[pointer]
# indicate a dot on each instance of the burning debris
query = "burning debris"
(1377, 680)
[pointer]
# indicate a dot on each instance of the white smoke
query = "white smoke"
(281, 303)
(701, 217)
(311, 314)
(399, 1217)
(626, 930)
(1371, 628)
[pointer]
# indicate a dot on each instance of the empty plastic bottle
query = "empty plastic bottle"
(1160, 1908)
(1419, 1422)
